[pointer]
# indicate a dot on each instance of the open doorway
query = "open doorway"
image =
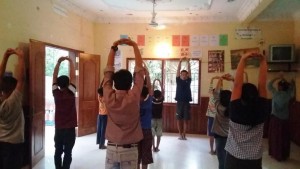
(87, 81)
(52, 55)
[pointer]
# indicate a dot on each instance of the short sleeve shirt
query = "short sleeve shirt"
(157, 108)
(183, 90)
(12, 119)
(65, 107)
(211, 108)
(281, 101)
(123, 107)
(146, 113)
(246, 129)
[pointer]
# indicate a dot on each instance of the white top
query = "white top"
(12, 119)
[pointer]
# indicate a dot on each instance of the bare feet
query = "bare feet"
(156, 149)
(102, 147)
(182, 137)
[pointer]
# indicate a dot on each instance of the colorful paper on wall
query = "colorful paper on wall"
(123, 37)
(204, 39)
(141, 40)
(223, 40)
(194, 40)
(184, 52)
(196, 54)
(176, 40)
(213, 40)
(185, 40)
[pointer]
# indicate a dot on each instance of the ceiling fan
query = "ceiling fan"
(153, 22)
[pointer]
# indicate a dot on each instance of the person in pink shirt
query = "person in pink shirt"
(123, 130)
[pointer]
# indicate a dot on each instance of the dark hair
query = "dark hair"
(284, 85)
(225, 100)
(122, 79)
(100, 91)
(250, 99)
(8, 84)
(63, 81)
(157, 93)
(249, 94)
(184, 71)
(145, 91)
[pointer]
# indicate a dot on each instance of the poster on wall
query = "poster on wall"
(141, 40)
(237, 54)
(176, 40)
(184, 52)
(247, 33)
(123, 36)
(223, 40)
(214, 40)
(215, 61)
(185, 40)
(196, 54)
(204, 39)
(194, 40)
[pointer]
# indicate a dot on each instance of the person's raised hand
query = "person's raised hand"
(19, 52)
(128, 42)
(61, 59)
(9, 52)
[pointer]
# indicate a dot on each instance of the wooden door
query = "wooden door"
(37, 99)
(89, 74)
(26, 110)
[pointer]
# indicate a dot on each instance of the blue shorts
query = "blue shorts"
(210, 122)
(183, 111)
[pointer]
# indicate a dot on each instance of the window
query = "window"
(165, 70)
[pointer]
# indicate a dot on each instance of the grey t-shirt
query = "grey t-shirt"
(12, 119)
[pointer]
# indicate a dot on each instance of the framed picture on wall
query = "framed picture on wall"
(237, 54)
(215, 61)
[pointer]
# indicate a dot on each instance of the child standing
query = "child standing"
(211, 113)
(145, 153)
(101, 121)
(220, 126)
(157, 108)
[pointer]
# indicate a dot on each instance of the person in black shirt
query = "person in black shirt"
(183, 98)
(157, 108)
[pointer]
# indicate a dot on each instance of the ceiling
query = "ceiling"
(179, 11)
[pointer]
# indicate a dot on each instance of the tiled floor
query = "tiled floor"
(174, 154)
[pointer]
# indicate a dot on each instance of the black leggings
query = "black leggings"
(64, 142)
(234, 163)
(11, 155)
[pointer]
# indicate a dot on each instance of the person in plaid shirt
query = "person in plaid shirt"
(248, 112)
